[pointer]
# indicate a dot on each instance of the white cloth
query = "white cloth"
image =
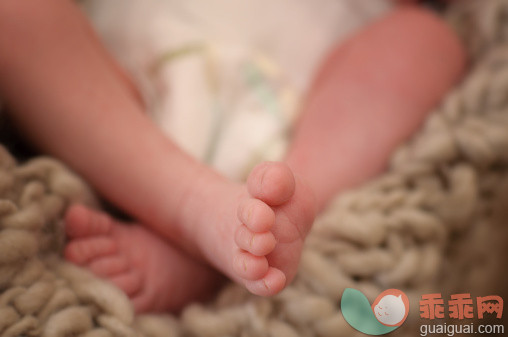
(223, 78)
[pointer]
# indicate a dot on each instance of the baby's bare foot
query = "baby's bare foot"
(260, 245)
(275, 221)
(155, 276)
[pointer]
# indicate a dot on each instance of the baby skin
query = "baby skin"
(130, 256)
(261, 241)
(370, 95)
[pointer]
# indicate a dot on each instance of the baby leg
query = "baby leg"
(81, 111)
(371, 94)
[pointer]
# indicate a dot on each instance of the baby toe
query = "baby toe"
(271, 283)
(82, 222)
(248, 266)
(272, 182)
(109, 265)
(258, 244)
(256, 215)
(81, 251)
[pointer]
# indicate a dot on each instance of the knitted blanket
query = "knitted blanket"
(432, 223)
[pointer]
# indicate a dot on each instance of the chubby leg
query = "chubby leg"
(371, 94)
(80, 110)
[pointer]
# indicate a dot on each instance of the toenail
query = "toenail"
(263, 173)
(266, 285)
(251, 243)
(249, 214)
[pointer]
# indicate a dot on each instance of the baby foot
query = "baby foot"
(155, 276)
(275, 219)
(260, 246)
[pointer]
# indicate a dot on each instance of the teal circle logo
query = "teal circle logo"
(386, 314)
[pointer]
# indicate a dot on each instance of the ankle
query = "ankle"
(197, 208)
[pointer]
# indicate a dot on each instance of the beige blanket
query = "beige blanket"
(434, 223)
